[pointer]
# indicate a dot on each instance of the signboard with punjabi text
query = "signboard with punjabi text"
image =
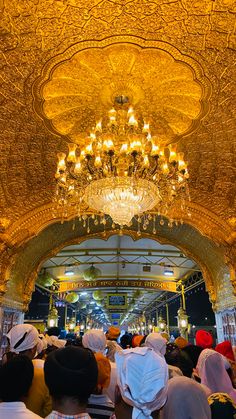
(129, 283)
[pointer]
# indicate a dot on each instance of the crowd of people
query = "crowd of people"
(102, 376)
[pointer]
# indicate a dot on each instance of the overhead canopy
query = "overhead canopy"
(140, 270)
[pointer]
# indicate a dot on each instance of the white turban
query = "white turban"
(54, 341)
(42, 345)
(95, 340)
(142, 378)
(156, 342)
(23, 337)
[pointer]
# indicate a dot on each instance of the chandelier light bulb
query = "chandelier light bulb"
(61, 165)
(71, 158)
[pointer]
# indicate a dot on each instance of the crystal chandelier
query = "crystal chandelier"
(121, 170)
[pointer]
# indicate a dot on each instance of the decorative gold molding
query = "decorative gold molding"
(206, 222)
(114, 66)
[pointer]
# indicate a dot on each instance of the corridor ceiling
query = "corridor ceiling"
(120, 258)
(61, 61)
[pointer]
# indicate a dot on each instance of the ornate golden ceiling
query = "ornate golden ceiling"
(79, 86)
(192, 39)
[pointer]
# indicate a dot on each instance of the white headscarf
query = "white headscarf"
(42, 345)
(186, 399)
(54, 341)
(142, 377)
(23, 337)
(156, 342)
(211, 369)
(94, 340)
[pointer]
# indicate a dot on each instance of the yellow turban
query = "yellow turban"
(165, 336)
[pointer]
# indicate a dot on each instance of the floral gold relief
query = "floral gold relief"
(81, 84)
(62, 64)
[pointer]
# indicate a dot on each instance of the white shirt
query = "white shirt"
(16, 410)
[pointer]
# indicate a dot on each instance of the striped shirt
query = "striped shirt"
(57, 415)
(100, 406)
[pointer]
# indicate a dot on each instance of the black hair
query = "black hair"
(126, 340)
(16, 378)
(54, 331)
(71, 372)
(193, 351)
(180, 359)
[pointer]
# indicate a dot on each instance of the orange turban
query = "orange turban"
(204, 339)
(113, 333)
(181, 342)
(137, 339)
(104, 370)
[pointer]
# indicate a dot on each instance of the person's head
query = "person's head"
(222, 406)
(71, 373)
(23, 339)
(54, 341)
(126, 341)
(16, 378)
(142, 376)
(181, 342)
(212, 371)
(156, 342)
(172, 354)
(112, 348)
(136, 341)
(54, 331)
(180, 359)
(204, 339)
(94, 340)
(185, 399)
(193, 352)
(225, 348)
(113, 333)
(104, 372)
(41, 346)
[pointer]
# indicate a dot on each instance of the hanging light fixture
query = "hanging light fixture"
(91, 273)
(121, 171)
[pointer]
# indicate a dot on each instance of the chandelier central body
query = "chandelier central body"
(121, 170)
(121, 197)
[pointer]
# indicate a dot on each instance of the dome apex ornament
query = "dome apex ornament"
(79, 85)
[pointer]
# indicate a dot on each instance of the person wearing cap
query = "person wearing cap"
(96, 341)
(15, 380)
(24, 340)
(71, 375)
(142, 383)
(99, 404)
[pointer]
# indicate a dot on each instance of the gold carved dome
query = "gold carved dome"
(78, 86)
